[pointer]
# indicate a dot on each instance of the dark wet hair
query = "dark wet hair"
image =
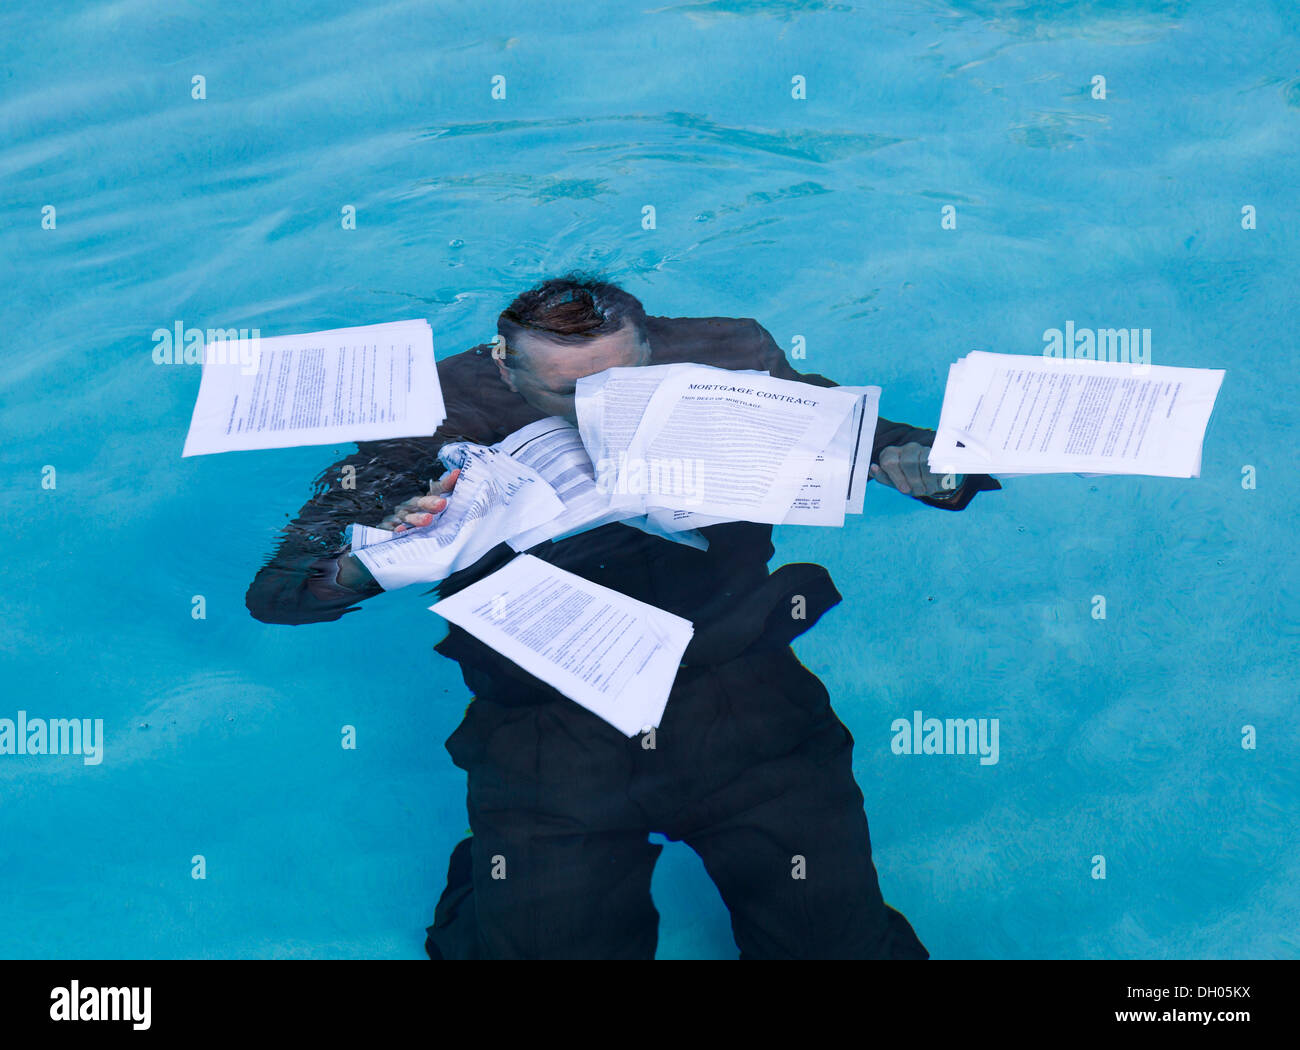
(569, 309)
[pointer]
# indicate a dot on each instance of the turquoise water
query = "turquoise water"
(819, 217)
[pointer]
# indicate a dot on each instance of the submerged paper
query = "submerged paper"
(615, 656)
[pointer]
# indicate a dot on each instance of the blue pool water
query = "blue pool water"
(819, 217)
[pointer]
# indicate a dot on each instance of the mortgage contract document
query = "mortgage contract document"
(724, 446)
(1008, 413)
(612, 654)
(837, 479)
(346, 384)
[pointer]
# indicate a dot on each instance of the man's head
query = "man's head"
(564, 329)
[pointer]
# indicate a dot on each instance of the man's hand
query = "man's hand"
(352, 575)
(419, 510)
(906, 468)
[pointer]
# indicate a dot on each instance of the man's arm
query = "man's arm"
(898, 451)
(304, 582)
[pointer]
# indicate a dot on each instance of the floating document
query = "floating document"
(346, 384)
(837, 481)
(1013, 414)
(553, 456)
(615, 656)
(861, 440)
(553, 447)
(735, 447)
(494, 497)
(360, 536)
(686, 533)
(610, 406)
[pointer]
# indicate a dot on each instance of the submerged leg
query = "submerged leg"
(559, 864)
(454, 933)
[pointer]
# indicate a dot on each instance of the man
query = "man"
(749, 766)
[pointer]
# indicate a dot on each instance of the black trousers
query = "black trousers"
(750, 767)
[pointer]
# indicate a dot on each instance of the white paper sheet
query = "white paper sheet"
(1018, 414)
(610, 407)
(346, 384)
(553, 447)
(837, 483)
(660, 524)
(737, 447)
(615, 656)
(362, 536)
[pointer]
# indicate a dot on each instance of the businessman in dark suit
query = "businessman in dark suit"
(749, 766)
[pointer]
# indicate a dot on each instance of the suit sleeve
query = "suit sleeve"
(888, 433)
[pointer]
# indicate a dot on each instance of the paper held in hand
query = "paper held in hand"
(1021, 414)
(346, 384)
(612, 654)
(495, 497)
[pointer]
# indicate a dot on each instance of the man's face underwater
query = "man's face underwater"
(546, 373)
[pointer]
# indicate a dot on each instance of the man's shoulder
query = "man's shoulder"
(479, 404)
(728, 342)
(477, 362)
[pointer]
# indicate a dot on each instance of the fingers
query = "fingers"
(395, 520)
(907, 468)
(414, 512)
(448, 480)
(891, 470)
(914, 469)
(420, 512)
(422, 515)
(423, 508)
(414, 520)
